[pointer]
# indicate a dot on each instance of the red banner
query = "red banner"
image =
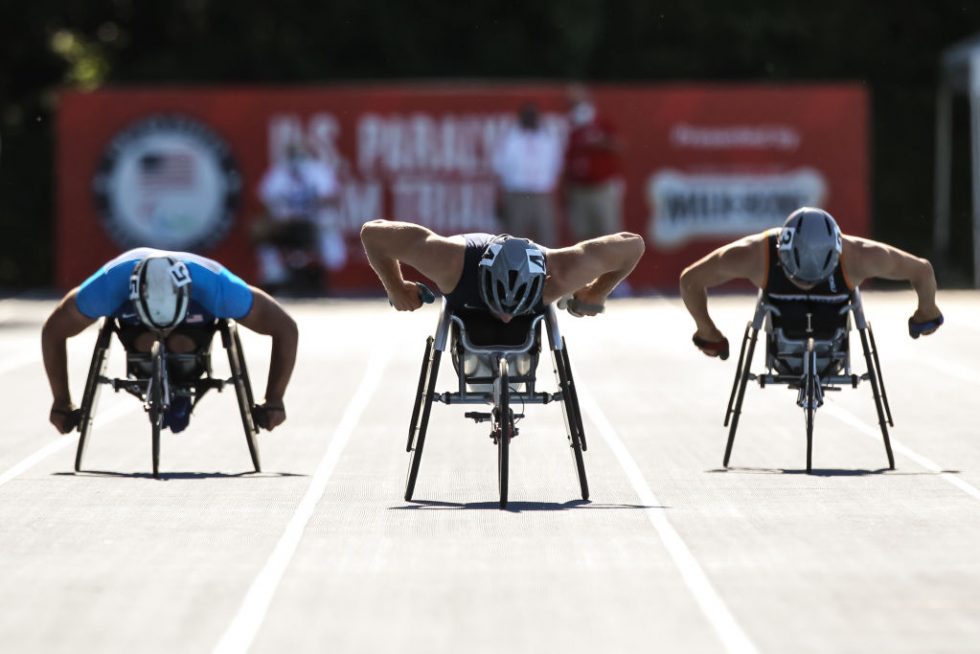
(178, 168)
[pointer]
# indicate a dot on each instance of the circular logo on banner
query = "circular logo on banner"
(167, 182)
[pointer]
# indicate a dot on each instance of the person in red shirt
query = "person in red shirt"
(593, 181)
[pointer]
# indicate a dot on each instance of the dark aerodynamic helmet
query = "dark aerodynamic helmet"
(160, 287)
(809, 245)
(512, 273)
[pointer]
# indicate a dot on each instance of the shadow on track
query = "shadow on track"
(164, 476)
(825, 472)
(514, 507)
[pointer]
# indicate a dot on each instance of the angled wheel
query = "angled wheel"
(155, 399)
(738, 389)
(420, 418)
(505, 424)
(90, 395)
(243, 392)
(572, 413)
(881, 405)
(419, 394)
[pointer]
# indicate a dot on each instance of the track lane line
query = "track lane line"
(732, 636)
(114, 413)
(874, 432)
(244, 626)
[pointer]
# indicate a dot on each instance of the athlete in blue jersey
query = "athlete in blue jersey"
(178, 294)
(807, 261)
(503, 275)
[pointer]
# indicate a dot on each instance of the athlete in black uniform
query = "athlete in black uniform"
(504, 275)
(805, 267)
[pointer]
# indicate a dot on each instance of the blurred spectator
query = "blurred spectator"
(299, 239)
(528, 164)
(593, 179)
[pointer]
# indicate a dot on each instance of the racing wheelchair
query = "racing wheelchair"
(496, 365)
(808, 349)
(159, 376)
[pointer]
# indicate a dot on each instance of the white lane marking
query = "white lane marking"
(874, 432)
(251, 614)
(732, 636)
(117, 411)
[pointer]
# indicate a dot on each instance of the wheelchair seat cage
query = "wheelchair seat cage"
(810, 359)
(495, 365)
(158, 376)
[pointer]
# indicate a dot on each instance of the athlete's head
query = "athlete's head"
(809, 246)
(160, 287)
(512, 273)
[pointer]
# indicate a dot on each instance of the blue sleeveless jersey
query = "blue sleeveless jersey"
(215, 291)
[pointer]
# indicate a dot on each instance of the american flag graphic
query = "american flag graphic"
(166, 170)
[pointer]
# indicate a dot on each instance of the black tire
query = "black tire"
(243, 393)
(432, 374)
(90, 396)
(155, 401)
(506, 425)
(874, 377)
(810, 401)
(573, 416)
(419, 394)
(742, 380)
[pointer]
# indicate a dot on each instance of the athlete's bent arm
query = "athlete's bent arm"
(590, 270)
(742, 259)
(388, 244)
(63, 323)
(269, 318)
(865, 258)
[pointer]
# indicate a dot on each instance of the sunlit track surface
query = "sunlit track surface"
(673, 553)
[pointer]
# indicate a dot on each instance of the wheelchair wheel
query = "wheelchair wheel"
(505, 424)
(573, 415)
(243, 393)
(810, 400)
(90, 395)
(877, 390)
(419, 394)
(420, 420)
(155, 397)
(741, 381)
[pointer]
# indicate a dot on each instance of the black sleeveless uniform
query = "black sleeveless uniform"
(465, 300)
(823, 302)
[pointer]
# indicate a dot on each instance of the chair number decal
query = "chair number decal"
(786, 238)
(180, 274)
(134, 293)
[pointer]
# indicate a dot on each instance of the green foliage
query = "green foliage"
(893, 47)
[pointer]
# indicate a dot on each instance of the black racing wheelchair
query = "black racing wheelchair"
(159, 376)
(808, 349)
(496, 365)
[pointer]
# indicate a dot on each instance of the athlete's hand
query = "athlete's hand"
(270, 415)
(925, 322)
(64, 416)
(406, 297)
(712, 342)
(582, 303)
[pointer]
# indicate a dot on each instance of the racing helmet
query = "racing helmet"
(809, 245)
(512, 273)
(160, 287)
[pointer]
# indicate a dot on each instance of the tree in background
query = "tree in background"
(893, 47)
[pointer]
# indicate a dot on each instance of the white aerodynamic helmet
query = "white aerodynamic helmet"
(809, 245)
(160, 287)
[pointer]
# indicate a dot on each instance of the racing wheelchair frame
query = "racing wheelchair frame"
(157, 376)
(811, 362)
(495, 365)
